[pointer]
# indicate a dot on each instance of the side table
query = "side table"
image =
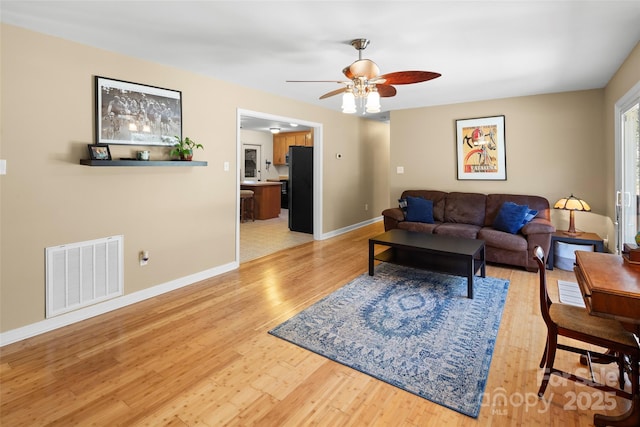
(580, 239)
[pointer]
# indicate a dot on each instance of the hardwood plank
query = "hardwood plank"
(201, 355)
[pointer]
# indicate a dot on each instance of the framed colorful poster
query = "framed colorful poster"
(480, 148)
(136, 114)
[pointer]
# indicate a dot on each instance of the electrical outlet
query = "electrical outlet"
(400, 170)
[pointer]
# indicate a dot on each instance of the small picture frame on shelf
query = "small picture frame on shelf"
(99, 152)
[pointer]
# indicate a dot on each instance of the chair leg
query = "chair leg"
(552, 342)
(544, 353)
(621, 365)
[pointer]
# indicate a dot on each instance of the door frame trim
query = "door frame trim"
(621, 105)
(317, 168)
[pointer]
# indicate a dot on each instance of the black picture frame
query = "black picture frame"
(481, 149)
(128, 113)
(99, 152)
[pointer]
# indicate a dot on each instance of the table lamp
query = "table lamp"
(572, 204)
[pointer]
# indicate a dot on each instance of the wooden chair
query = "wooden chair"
(576, 322)
(246, 205)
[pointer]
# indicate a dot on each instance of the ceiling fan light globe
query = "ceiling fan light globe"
(373, 102)
(348, 103)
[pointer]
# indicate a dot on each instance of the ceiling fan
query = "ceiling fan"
(365, 81)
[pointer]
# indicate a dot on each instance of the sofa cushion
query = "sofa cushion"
(422, 227)
(419, 210)
(465, 208)
(500, 239)
(437, 197)
(510, 217)
(469, 231)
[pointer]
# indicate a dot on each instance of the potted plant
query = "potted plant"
(183, 148)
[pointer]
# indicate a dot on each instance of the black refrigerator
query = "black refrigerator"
(301, 189)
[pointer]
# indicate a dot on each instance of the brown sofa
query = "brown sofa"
(472, 215)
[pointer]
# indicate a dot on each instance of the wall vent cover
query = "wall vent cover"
(84, 273)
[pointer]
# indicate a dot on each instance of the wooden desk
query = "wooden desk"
(611, 288)
(266, 196)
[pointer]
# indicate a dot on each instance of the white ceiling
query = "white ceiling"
(483, 49)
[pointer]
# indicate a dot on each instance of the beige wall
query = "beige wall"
(184, 216)
(556, 144)
(553, 147)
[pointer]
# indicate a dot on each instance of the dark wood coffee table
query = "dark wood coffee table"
(445, 254)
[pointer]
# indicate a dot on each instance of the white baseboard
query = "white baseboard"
(107, 306)
(340, 231)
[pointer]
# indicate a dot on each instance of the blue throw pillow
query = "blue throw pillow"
(510, 218)
(529, 216)
(419, 210)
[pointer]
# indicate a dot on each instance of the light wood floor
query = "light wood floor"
(201, 355)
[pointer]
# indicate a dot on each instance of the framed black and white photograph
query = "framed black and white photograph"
(136, 114)
(480, 149)
(99, 152)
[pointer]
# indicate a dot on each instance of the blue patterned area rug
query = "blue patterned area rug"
(414, 329)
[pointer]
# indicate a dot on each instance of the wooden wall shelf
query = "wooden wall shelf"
(89, 162)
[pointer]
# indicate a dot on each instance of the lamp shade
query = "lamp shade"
(572, 203)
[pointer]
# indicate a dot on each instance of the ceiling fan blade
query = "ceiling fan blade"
(347, 72)
(386, 91)
(316, 81)
(408, 77)
(333, 92)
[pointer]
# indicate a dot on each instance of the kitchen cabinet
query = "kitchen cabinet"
(282, 142)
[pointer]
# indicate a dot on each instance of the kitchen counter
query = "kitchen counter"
(266, 198)
(259, 183)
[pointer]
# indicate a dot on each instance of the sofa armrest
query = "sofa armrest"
(392, 217)
(538, 226)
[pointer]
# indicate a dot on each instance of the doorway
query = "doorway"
(264, 122)
(627, 135)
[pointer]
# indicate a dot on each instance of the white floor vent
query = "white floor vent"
(82, 274)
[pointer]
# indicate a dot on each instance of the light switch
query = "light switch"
(3, 167)
(226, 166)
(400, 169)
